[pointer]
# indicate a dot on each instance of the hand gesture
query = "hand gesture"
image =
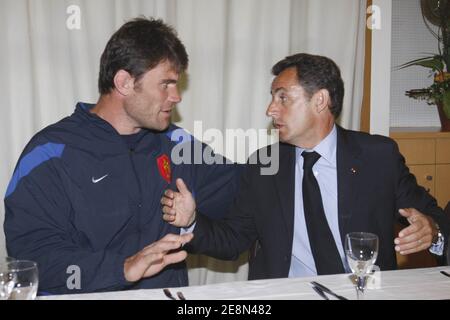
(156, 256)
(419, 235)
(179, 207)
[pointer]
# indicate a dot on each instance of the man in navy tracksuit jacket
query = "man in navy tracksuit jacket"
(84, 199)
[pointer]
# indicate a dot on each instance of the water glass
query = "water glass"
(6, 280)
(361, 250)
(24, 276)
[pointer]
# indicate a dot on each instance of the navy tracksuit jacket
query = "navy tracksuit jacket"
(80, 197)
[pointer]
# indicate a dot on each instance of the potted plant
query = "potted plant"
(436, 12)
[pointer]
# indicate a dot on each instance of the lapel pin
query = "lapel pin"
(353, 171)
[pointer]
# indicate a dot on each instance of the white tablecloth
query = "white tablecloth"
(402, 284)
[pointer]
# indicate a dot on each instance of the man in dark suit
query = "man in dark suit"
(330, 182)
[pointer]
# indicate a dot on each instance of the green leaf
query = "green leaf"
(434, 62)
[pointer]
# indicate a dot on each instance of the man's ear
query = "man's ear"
(123, 82)
(321, 100)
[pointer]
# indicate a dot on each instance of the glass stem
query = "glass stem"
(360, 285)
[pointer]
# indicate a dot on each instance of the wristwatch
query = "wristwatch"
(437, 244)
(439, 237)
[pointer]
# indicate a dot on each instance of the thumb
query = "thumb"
(405, 213)
(185, 238)
(182, 187)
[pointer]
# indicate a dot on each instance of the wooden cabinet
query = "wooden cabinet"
(442, 184)
(427, 155)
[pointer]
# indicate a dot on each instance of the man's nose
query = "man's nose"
(270, 112)
(175, 96)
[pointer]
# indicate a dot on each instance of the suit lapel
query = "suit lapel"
(348, 185)
(285, 185)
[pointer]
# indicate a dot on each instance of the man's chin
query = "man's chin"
(162, 126)
(165, 127)
(283, 138)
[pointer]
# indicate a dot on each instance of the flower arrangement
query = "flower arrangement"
(438, 12)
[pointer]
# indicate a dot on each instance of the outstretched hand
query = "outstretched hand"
(179, 207)
(418, 235)
(156, 256)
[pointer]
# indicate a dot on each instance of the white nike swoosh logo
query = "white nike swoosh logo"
(99, 179)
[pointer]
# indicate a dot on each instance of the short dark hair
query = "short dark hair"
(138, 46)
(315, 73)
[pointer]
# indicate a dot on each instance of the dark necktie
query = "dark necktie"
(323, 247)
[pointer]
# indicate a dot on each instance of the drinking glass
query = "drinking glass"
(361, 250)
(6, 279)
(25, 279)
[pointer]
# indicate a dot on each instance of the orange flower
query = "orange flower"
(442, 76)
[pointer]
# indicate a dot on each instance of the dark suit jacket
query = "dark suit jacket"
(373, 183)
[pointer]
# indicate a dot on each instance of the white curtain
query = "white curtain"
(48, 67)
